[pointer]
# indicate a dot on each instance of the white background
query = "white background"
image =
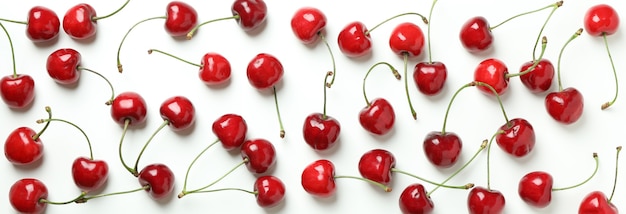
(564, 151)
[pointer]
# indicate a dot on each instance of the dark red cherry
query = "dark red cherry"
(159, 178)
(252, 13)
(535, 188)
(62, 66)
(414, 200)
(89, 174)
(180, 18)
(377, 118)
(264, 71)
(321, 132)
(42, 24)
(442, 149)
(231, 130)
(518, 137)
(376, 165)
(481, 200)
(260, 154)
(270, 191)
(540, 78)
(565, 106)
(129, 106)
(430, 77)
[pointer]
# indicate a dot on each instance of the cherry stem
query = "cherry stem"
(555, 6)
(119, 49)
(428, 181)
(595, 157)
(164, 124)
(544, 42)
(175, 57)
(111, 14)
(406, 85)
(12, 49)
(558, 66)
(49, 111)
(332, 57)
(493, 90)
(87, 198)
(393, 70)
(110, 101)
(75, 126)
(483, 145)
(619, 149)
(194, 29)
(185, 192)
(489, 159)
(382, 186)
(79, 198)
(280, 120)
(225, 189)
(445, 119)
(396, 16)
(131, 170)
(526, 13)
(14, 21)
(606, 44)
(330, 73)
(194, 161)
(430, 57)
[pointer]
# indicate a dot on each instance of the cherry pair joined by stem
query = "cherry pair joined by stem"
(596, 201)
(214, 69)
(249, 14)
(23, 146)
(263, 72)
(80, 20)
(378, 116)
(17, 90)
(318, 179)
(42, 24)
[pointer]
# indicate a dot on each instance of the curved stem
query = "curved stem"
(119, 49)
(493, 90)
(131, 170)
(194, 29)
(226, 189)
(110, 101)
(332, 57)
(557, 5)
(164, 124)
(489, 158)
(184, 192)
(608, 104)
(428, 181)
(619, 149)
(382, 186)
(79, 198)
(194, 161)
(280, 120)
(544, 42)
(49, 111)
(12, 49)
(482, 146)
(111, 14)
(87, 198)
(558, 64)
(595, 157)
(393, 17)
(430, 56)
(522, 14)
(445, 118)
(14, 21)
(75, 126)
(330, 73)
(406, 86)
(393, 70)
(175, 57)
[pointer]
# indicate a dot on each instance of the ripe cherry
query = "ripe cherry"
(80, 20)
(159, 180)
(318, 179)
(407, 41)
(307, 23)
(264, 71)
(17, 90)
(26, 195)
(258, 155)
(378, 116)
(249, 14)
(430, 76)
(484, 199)
(540, 78)
(23, 146)
(377, 165)
(596, 201)
(178, 112)
(269, 191)
(320, 130)
(42, 24)
(129, 108)
(231, 130)
(517, 138)
(442, 148)
(214, 68)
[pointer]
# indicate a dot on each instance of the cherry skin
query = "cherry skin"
(318, 178)
(214, 69)
(376, 165)
(264, 71)
(565, 106)
(21, 149)
(415, 200)
(180, 18)
(321, 132)
(17, 91)
(518, 138)
(430, 77)
(535, 188)
(442, 149)
(475, 35)
(601, 20)
(353, 42)
(306, 23)
(270, 191)
(260, 154)
(129, 106)
(89, 174)
(78, 21)
(597, 202)
(231, 130)
(540, 78)
(25, 195)
(179, 112)
(42, 24)
(482, 200)
(407, 38)
(62, 66)
(252, 13)
(493, 72)
(378, 118)
(159, 178)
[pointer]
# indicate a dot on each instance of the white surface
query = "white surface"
(563, 151)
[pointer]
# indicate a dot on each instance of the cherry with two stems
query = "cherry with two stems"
(42, 24)
(17, 90)
(80, 20)
(263, 72)
(214, 68)
(565, 105)
(596, 201)
(23, 146)
(355, 39)
(407, 41)
(536, 188)
(378, 116)
(484, 199)
(601, 21)
(476, 35)
(180, 19)
(430, 76)
(318, 179)
(249, 14)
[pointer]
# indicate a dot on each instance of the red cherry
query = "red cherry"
(264, 71)
(179, 112)
(430, 77)
(180, 18)
(414, 200)
(42, 24)
(321, 131)
(21, 148)
(493, 72)
(307, 23)
(601, 20)
(597, 202)
(442, 149)
(26, 194)
(565, 106)
(260, 155)
(89, 174)
(18, 91)
(214, 69)
(540, 78)
(535, 188)
(129, 106)
(231, 130)
(79, 22)
(270, 191)
(318, 178)
(159, 179)
(252, 13)
(353, 41)
(62, 66)
(482, 200)
(377, 118)
(376, 165)
(407, 38)
(476, 35)
(518, 137)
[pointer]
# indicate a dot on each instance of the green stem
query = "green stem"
(131, 170)
(79, 198)
(489, 158)
(330, 73)
(595, 157)
(75, 126)
(164, 124)
(87, 198)
(557, 5)
(482, 147)
(332, 57)
(393, 70)
(280, 120)
(12, 49)
(226, 189)
(430, 57)
(175, 57)
(406, 86)
(111, 14)
(445, 118)
(14, 21)
(194, 161)
(184, 192)
(428, 181)
(193, 30)
(522, 14)
(608, 104)
(49, 111)
(558, 64)
(382, 186)
(119, 49)
(493, 90)
(110, 101)
(393, 17)
(619, 149)
(544, 42)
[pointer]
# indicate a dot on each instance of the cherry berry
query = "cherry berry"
(476, 35)
(601, 20)
(26, 196)
(307, 23)
(376, 165)
(42, 24)
(62, 66)
(321, 131)
(414, 199)
(442, 149)
(179, 112)
(354, 41)
(539, 79)
(159, 179)
(231, 130)
(270, 191)
(493, 72)
(22, 148)
(251, 13)
(535, 188)
(517, 138)
(430, 77)
(89, 174)
(318, 178)
(79, 22)
(482, 200)
(565, 106)
(180, 18)
(260, 155)
(129, 107)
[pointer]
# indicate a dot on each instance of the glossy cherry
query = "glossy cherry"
(159, 178)
(597, 202)
(129, 107)
(321, 132)
(260, 155)
(354, 41)
(180, 18)
(231, 130)
(493, 72)
(250, 13)
(442, 149)
(318, 178)
(535, 188)
(476, 35)
(407, 38)
(22, 148)
(214, 69)
(376, 165)
(307, 23)
(79, 22)
(430, 77)
(264, 71)
(517, 138)
(539, 79)
(565, 106)
(269, 191)
(26, 194)
(89, 174)
(378, 118)
(42, 24)
(62, 66)
(414, 199)
(179, 112)
(601, 19)
(18, 91)
(483, 200)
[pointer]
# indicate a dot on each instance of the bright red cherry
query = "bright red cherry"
(270, 191)
(318, 178)
(565, 106)
(407, 38)
(535, 188)
(321, 131)
(378, 118)
(597, 202)
(252, 13)
(476, 35)
(18, 91)
(26, 194)
(430, 77)
(482, 200)
(62, 66)
(518, 137)
(21, 147)
(540, 78)
(231, 130)
(307, 23)
(442, 149)
(180, 18)
(179, 112)
(159, 179)
(129, 106)
(493, 72)
(414, 200)
(601, 20)
(42, 24)
(79, 22)
(214, 69)
(376, 165)
(354, 41)
(89, 174)
(260, 155)
(264, 71)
